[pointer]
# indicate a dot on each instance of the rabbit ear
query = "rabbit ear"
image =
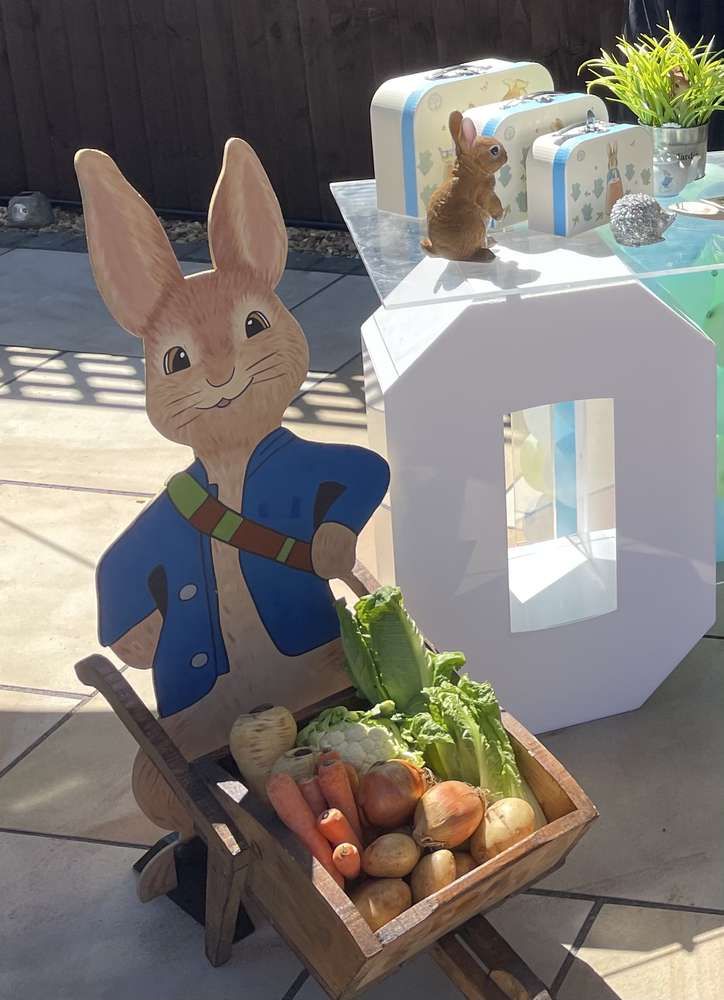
(468, 133)
(132, 260)
(454, 122)
(246, 228)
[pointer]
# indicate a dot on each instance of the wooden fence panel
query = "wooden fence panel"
(130, 142)
(161, 84)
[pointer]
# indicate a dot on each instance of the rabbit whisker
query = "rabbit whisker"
(267, 369)
(271, 378)
(265, 358)
(172, 402)
(189, 421)
(182, 410)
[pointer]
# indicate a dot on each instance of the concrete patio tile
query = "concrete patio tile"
(90, 430)
(541, 931)
(14, 361)
(52, 540)
(632, 953)
(73, 929)
(332, 321)
(333, 409)
(49, 299)
(655, 775)
(24, 717)
(77, 782)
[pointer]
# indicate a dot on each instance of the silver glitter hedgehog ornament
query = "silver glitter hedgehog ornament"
(637, 219)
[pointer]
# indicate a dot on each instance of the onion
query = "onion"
(447, 814)
(389, 791)
(506, 822)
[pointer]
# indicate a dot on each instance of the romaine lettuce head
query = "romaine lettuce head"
(404, 665)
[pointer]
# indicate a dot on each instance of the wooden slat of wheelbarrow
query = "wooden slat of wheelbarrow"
(208, 816)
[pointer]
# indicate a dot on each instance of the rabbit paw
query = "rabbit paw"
(333, 551)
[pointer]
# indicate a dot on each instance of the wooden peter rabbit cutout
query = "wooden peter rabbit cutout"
(460, 208)
(220, 586)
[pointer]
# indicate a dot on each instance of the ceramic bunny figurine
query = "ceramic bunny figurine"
(220, 586)
(460, 208)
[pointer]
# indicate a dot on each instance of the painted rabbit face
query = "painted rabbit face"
(224, 357)
(612, 156)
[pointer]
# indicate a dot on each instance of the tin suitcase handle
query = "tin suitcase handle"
(460, 70)
(539, 96)
(591, 125)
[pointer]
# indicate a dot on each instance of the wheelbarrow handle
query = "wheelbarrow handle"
(208, 817)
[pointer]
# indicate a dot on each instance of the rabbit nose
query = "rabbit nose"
(219, 385)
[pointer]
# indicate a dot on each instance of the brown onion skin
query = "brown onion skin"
(389, 792)
(447, 814)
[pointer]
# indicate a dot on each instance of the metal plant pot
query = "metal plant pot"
(679, 156)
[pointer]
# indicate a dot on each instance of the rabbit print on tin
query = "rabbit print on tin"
(220, 586)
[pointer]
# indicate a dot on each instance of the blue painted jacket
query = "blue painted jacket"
(162, 562)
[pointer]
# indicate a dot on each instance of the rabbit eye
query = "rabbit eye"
(256, 322)
(494, 150)
(175, 360)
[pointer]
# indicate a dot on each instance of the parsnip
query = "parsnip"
(257, 740)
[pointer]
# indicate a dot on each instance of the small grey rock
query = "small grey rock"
(638, 219)
(30, 210)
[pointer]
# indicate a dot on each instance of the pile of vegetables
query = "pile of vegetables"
(399, 799)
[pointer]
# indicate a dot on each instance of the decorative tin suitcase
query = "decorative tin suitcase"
(517, 124)
(576, 175)
(411, 144)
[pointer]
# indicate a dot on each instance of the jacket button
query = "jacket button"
(187, 592)
(199, 660)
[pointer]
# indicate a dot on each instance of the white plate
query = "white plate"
(700, 209)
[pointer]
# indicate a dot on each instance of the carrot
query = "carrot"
(312, 794)
(334, 782)
(293, 811)
(336, 828)
(346, 858)
(327, 757)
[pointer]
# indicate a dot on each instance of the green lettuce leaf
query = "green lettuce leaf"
(404, 665)
(359, 662)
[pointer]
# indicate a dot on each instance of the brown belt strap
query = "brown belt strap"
(211, 517)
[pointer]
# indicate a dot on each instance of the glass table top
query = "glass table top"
(526, 261)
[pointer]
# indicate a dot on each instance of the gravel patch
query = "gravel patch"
(329, 242)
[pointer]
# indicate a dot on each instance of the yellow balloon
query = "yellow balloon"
(536, 465)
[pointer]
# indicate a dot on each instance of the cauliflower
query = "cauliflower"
(360, 738)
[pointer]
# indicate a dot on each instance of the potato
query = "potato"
(464, 863)
(506, 822)
(393, 855)
(432, 872)
(381, 900)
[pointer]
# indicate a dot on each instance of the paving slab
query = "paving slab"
(656, 776)
(91, 430)
(77, 781)
(49, 299)
(632, 953)
(24, 717)
(15, 361)
(332, 409)
(73, 929)
(541, 931)
(332, 321)
(52, 540)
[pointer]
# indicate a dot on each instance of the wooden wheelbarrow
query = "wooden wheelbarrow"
(252, 860)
